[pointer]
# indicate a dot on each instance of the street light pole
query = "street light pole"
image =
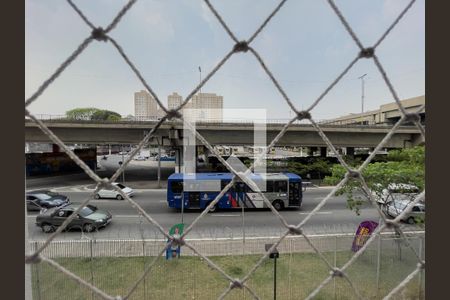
(362, 92)
(200, 71)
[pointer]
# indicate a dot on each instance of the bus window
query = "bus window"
(241, 187)
(198, 195)
(269, 186)
(177, 187)
(223, 184)
(280, 186)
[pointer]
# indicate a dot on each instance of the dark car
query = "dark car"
(39, 199)
(88, 219)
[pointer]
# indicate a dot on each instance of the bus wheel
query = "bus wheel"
(278, 204)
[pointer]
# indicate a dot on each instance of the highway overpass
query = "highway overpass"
(223, 133)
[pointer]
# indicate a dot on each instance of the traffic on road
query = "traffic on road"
(126, 222)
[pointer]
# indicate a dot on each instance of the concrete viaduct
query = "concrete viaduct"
(171, 132)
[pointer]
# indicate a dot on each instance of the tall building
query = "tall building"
(145, 106)
(174, 100)
(208, 106)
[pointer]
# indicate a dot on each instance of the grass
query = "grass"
(192, 278)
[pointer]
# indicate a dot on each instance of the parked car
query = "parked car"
(88, 219)
(39, 199)
(396, 207)
(396, 191)
(139, 157)
(112, 193)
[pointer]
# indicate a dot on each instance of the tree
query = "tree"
(81, 113)
(106, 115)
(92, 113)
(406, 166)
(316, 167)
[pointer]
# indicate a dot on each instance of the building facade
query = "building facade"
(203, 106)
(145, 106)
(387, 114)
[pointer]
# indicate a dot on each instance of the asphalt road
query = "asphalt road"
(334, 217)
(136, 171)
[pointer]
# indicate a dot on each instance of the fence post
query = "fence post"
(143, 256)
(378, 263)
(420, 273)
(335, 264)
(290, 263)
(243, 230)
(91, 267)
(194, 277)
(38, 283)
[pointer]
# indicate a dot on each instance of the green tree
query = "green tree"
(106, 115)
(406, 166)
(317, 168)
(92, 113)
(81, 113)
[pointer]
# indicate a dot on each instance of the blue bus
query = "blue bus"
(196, 191)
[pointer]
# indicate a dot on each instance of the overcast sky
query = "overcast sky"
(304, 45)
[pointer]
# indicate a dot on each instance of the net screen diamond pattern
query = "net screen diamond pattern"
(99, 34)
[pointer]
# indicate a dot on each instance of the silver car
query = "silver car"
(396, 192)
(396, 207)
(109, 192)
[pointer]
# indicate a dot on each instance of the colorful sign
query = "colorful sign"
(363, 233)
(174, 250)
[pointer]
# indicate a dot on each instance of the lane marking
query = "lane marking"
(319, 212)
(215, 215)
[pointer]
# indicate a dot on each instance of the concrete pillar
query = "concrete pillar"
(197, 151)
(55, 148)
(350, 151)
(159, 165)
(311, 151)
(323, 151)
(178, 159)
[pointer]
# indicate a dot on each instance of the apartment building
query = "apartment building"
(208, 106)
(145, 106)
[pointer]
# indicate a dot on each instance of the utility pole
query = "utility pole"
(200, 71)
(362, 92)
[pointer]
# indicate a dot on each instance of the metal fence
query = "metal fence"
(330, 123)
(324, 122)
(231, 282)
(382, 266)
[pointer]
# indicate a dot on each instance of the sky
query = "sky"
(305, 46)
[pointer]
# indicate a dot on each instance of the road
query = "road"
(334, 217)
(138, 172)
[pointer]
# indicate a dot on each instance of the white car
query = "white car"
(396, 207)
(396, 192)
(139, 157)
(112, 193)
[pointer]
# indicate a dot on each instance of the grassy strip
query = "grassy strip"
(191, 278)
